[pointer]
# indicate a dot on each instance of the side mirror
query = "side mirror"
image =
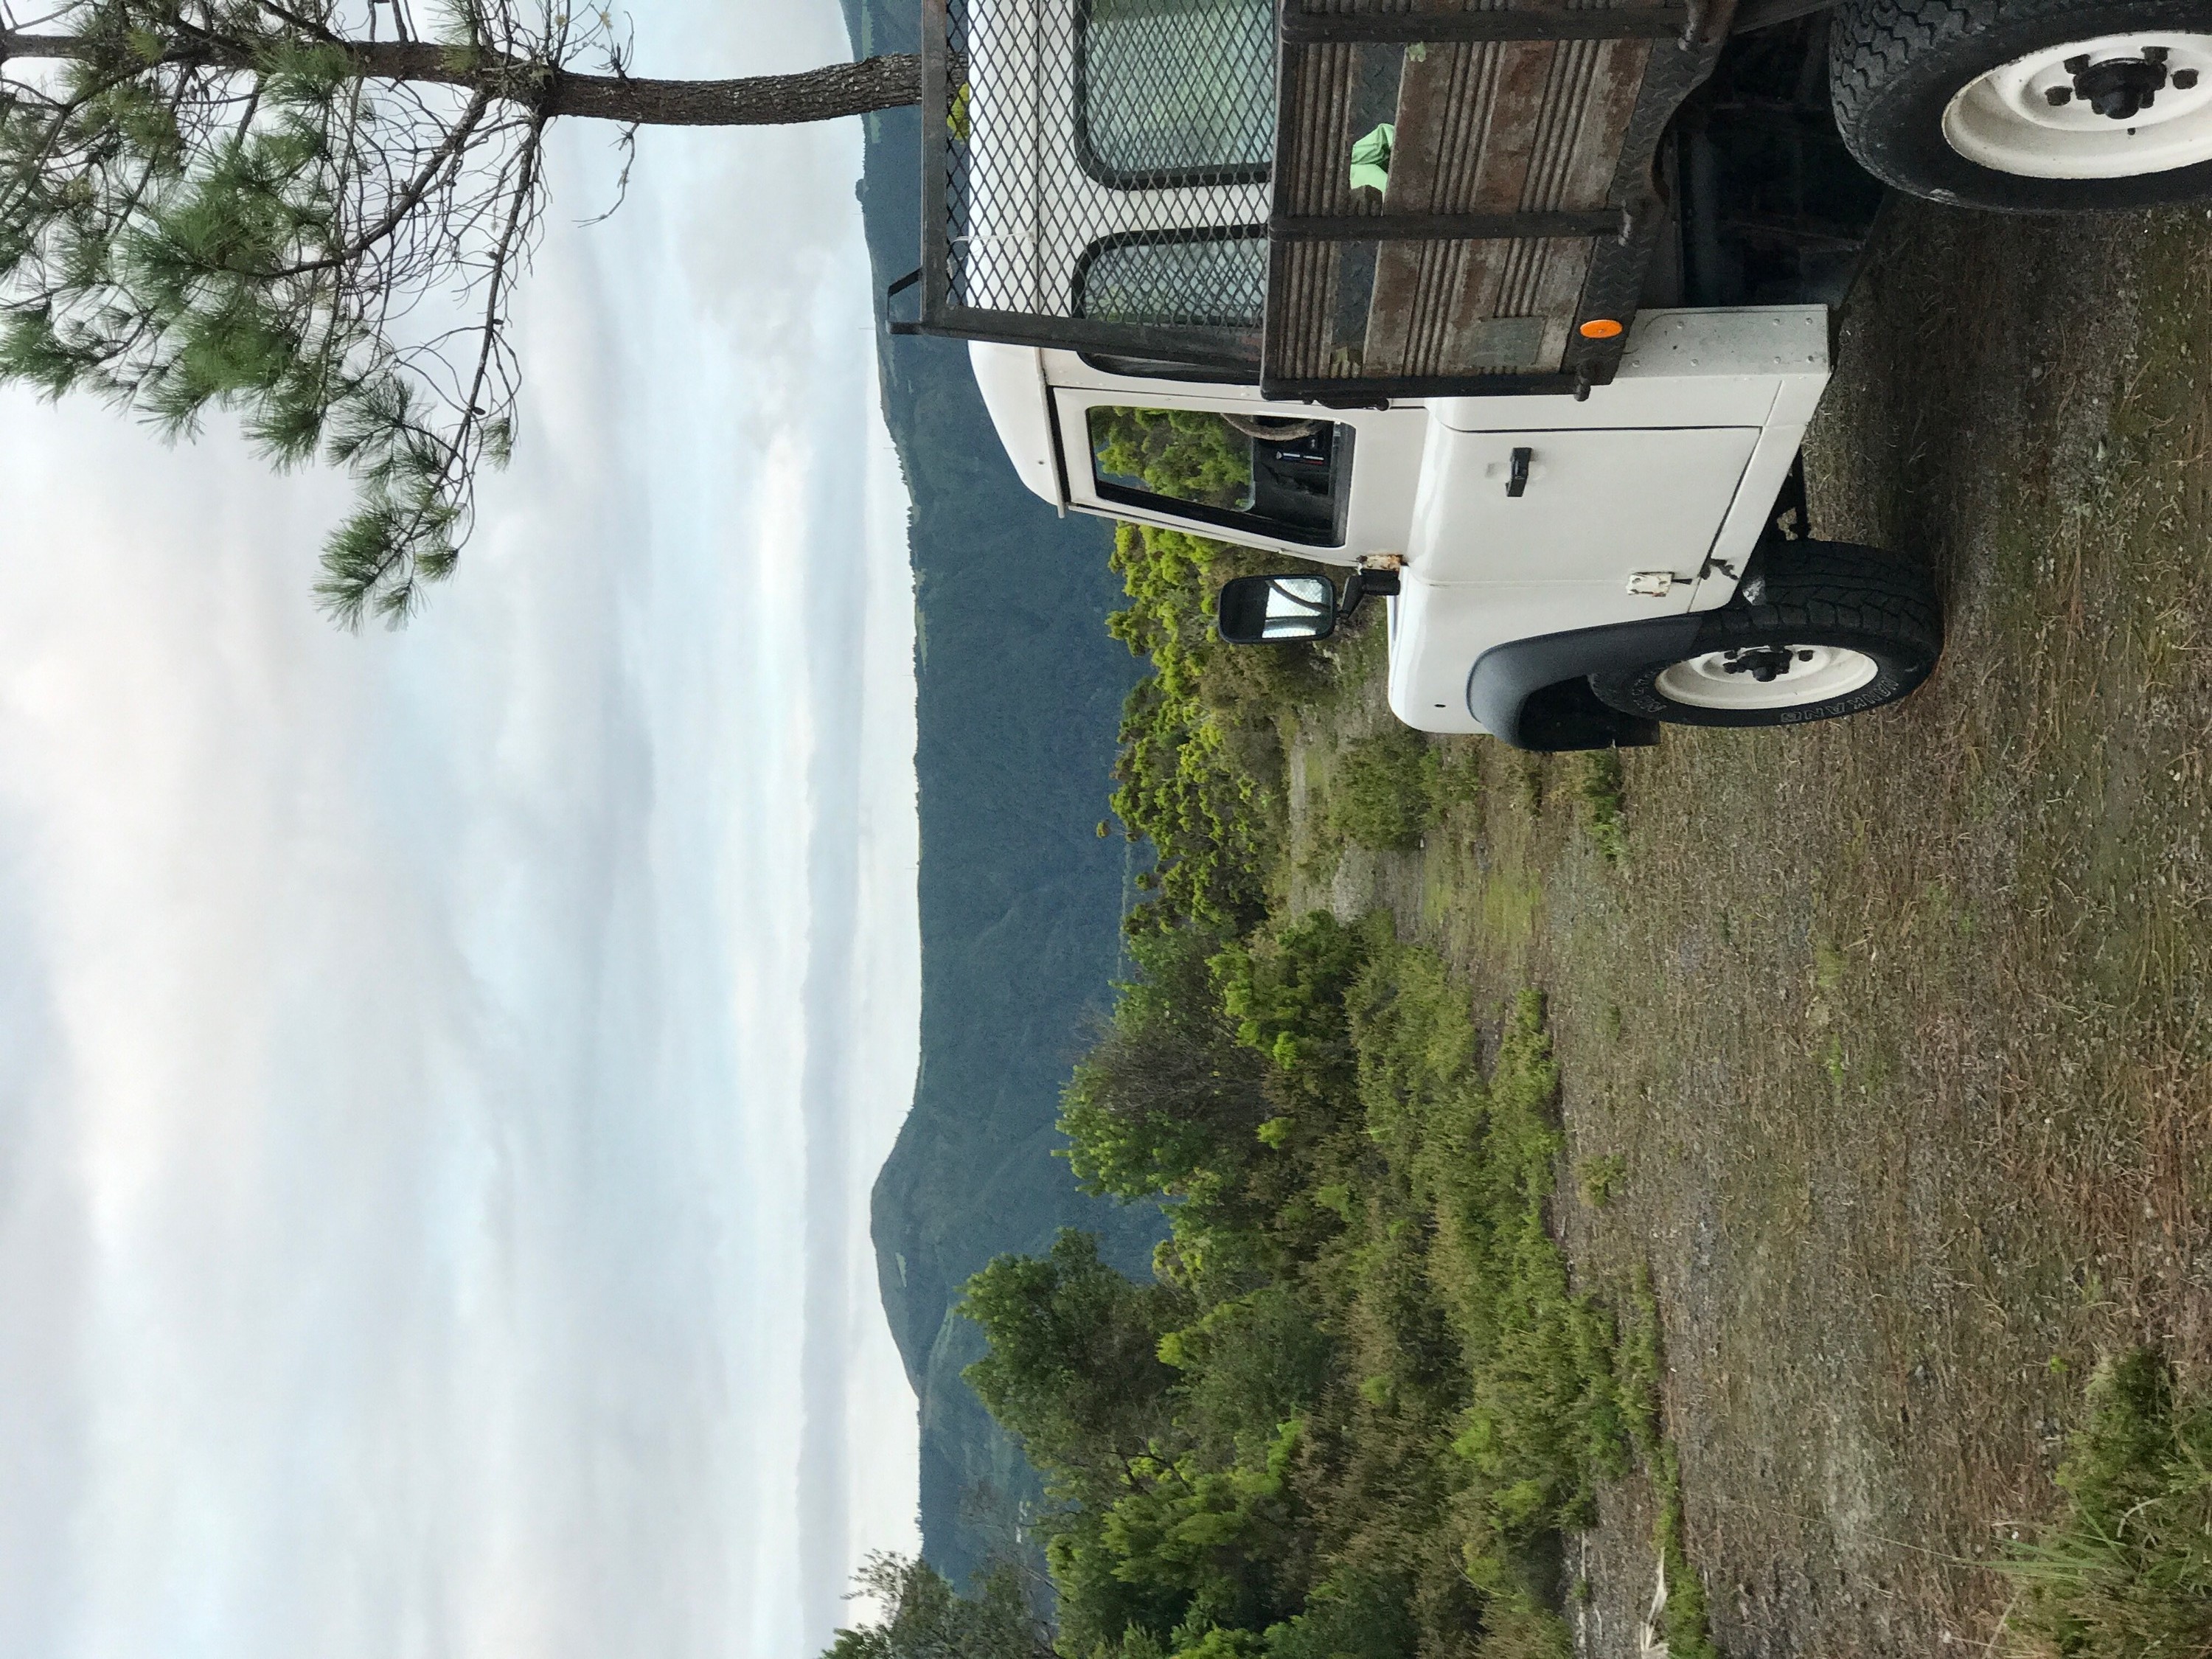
(1276, 610)
(1284, 610)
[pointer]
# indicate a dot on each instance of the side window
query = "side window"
(1201, 278)
(1175, 92)
(1286, 478)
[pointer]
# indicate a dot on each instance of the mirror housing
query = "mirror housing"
(1293, 608)
(1285, 608)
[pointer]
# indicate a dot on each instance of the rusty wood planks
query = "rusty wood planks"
(1528, 22)
(1492, 128)
(1445, 227)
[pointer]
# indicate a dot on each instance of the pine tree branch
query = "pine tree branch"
(447, 154)
(305, 25)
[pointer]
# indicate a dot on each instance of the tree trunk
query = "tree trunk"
(822, 94)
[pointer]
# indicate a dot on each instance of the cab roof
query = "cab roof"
(1012, 379)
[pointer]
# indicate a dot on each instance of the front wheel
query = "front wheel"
(1823, 629)
(2029, 105)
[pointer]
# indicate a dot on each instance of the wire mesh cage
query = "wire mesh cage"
(1340, 197)
(1108, 160)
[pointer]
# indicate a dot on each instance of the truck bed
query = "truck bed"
(1170, 181)
(1514, 198)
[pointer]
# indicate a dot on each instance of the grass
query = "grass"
(1599, 791)
(1560, 1401)
(1684, 1624)
(2125, 1571)
(1600, 1180)
(1900, 1021)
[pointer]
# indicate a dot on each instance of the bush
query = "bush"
(922, 1617)
(1383, 792)
(2126, 1571)
(1168, 1090)
(1600, 791)
(1362, 1398)
(1601, 1179)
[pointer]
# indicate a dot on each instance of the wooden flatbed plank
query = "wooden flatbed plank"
(1467, 117)
(1313, 139)
(1498, 128)
(1487, 128)
(1535, 22)
(1576, 156)
(1445, 227)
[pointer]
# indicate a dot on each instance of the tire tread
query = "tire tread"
(1876, 601)
(1888, 58)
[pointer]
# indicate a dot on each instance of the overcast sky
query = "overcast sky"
(444, 1071)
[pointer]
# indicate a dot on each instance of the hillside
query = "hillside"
(1019, 691)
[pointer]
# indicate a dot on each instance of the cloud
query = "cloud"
(425, 1165)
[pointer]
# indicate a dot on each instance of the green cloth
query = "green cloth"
(1370, 158)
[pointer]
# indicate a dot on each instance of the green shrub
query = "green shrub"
(2125, 1572)
(1352, 1615)
(1601, 1179)
(1361, 1399)
(1382, 791)
(1169, 1091)
(921, 1616)
(1599, 791)
(1182, 781)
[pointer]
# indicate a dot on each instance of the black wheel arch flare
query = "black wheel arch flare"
(1535, 694)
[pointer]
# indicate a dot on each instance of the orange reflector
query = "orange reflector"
(1600, 328)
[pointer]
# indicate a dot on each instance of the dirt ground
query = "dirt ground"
(1899, 1025)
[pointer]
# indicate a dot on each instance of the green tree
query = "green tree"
(1190, 454)
(1168, 1090)
(300, 212)
(1073, 1368)
(922, 1617)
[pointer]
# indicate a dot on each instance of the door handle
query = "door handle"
(1517, 481)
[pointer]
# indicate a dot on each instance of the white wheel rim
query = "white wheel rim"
(1801, 674)
(2006, 120)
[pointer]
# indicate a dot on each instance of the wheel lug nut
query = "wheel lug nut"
(2059, 96)
(2074, 65)
(2184, 79)
(2155, 54)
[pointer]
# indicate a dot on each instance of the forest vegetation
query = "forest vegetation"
(1359, 1401)
(1361, 1404)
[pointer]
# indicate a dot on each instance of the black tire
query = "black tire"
(1811, 595)
(1895, 65)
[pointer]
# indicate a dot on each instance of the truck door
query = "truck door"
(1576, 507)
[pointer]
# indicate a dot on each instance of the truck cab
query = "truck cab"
(1503, 518)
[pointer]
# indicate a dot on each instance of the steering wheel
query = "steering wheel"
(1274, 428)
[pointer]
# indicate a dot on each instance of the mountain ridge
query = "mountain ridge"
(1018, 690)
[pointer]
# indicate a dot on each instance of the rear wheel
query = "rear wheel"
(1823, 629)
(2029, 105)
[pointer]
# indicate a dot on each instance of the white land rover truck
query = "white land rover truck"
(1516, 308)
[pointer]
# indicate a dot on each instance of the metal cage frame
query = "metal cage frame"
(1681, 43)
